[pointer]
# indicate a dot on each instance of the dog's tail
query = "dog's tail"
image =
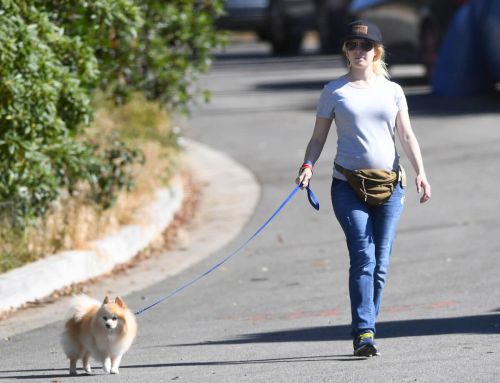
(80, 305)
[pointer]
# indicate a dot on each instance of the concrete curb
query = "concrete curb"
(39, 279)
(220, 204)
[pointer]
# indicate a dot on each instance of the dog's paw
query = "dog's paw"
(88, 369)
(114, 370)
(107, 365)
(72, 372)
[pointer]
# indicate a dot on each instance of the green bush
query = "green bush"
(173, 47)
(54, 54)
(156, 47)
(42, 106)
(113, 171)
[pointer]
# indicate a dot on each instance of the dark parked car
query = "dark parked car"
(469, 56)
(412, 29)
(456, 40)
(284, 22)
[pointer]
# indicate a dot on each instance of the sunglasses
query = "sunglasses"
(364, 45)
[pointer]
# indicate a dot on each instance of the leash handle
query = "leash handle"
(312, 200)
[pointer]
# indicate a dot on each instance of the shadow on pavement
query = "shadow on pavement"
(434, 105)
(291, 85)
(299, 359)
(240, 56)
(420, 100)
(319, 84)
(39, 375)
(263, 53)
(480, 324)
(258, 63)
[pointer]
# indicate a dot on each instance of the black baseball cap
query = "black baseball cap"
(362, 29)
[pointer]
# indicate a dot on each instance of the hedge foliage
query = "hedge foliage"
(54, 54)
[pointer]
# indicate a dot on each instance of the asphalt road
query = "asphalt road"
(279, 311)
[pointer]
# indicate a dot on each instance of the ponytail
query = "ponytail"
(379, 65)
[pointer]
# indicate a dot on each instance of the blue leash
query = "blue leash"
(312, 200)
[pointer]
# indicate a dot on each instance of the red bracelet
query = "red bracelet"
(306, 166)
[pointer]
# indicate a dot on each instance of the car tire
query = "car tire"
(329, 23)
(430, 37)
(285, 35)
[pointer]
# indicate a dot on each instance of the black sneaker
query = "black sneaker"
(364, 345)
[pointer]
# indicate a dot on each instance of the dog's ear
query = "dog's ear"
(119, 301)
(106, 300)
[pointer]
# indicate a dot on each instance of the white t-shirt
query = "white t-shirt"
(366, 120)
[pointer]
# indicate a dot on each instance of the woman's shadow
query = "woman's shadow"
(475, 324)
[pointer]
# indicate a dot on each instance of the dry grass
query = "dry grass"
(74, 222)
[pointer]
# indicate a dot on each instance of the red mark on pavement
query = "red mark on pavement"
(296, 315)
(399, 309)
(260, 317)
(290, 316)
(443, 304)
(309, 314)
(329, 313)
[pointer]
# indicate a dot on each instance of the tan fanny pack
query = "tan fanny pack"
(373, 186)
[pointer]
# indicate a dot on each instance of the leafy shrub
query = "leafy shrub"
(173, 47)
(156, 47)
(42, 105)
(113, 171)
(78, 218)
(54, 54)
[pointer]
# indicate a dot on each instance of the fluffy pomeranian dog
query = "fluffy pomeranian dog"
(101, 331)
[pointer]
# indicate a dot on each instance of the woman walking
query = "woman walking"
(368, 183)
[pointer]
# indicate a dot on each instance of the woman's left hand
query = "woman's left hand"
(423, 184)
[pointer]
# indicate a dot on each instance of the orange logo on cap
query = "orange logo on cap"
(360, 29)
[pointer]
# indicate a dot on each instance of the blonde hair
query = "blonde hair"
(379, 66)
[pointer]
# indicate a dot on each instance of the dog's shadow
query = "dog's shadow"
(317, 358)
(54, 375)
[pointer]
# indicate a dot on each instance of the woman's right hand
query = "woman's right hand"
(304, 177)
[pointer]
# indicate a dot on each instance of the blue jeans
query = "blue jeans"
(369, 234)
